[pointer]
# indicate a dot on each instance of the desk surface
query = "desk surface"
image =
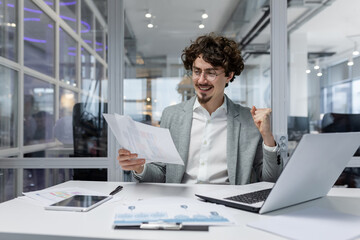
(20, 219)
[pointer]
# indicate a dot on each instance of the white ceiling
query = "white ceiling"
(335, 29)
(177, 23)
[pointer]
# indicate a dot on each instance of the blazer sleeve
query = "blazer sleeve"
(266, 164)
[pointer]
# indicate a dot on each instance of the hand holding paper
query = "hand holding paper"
(150, 143)
(129, 161)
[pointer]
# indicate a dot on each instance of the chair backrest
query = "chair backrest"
(89, 131)
(341, 122)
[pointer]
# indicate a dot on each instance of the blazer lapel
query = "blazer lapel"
(185, 132)
(233, 135)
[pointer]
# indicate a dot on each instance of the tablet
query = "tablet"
(79, 203)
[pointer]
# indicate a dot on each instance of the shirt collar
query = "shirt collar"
(197, 105)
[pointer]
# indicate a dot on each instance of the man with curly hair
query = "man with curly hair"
(219, 141)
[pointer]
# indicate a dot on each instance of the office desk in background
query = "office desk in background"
(20, 219)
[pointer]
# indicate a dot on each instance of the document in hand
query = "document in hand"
(152, 143)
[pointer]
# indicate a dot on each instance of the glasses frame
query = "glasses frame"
(206, 73)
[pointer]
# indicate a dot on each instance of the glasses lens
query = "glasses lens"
(210, 76)
(195, 73)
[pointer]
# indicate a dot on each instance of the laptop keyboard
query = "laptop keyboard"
(252, 197)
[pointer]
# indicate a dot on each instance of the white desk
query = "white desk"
(19, 219)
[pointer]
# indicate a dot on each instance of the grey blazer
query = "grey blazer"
(247, 161)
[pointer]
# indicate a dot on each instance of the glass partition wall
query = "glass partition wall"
(324, 74)
(53, 71)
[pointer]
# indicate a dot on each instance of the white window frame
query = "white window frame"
(19, 162)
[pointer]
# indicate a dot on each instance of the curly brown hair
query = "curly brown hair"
(217, 50)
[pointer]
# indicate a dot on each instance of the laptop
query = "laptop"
(310, 173)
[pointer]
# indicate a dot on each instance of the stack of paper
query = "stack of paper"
(152, 143)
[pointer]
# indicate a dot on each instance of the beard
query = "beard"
(203, 99)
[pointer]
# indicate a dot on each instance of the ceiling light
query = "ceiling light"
(148, 14)
(350, 62)
(356, 51)
(316, 66)
(150, 25)
(308, 71)
(319, 73)
(201, 25)
(204, 15)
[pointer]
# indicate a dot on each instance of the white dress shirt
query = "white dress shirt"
(207, 151)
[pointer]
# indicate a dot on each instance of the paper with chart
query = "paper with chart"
(187, 211)
(152, 143)
(52, 195)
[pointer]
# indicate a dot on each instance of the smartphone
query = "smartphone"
(79, 203)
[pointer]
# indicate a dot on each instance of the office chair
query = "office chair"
(341, 122)
(90, 139)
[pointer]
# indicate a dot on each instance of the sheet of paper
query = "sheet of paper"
(49, 196)
(187, 211)
(152, 143)
(312, 223)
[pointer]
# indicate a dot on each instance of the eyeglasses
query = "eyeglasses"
(209, 75)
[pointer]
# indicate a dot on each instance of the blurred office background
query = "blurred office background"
(54, 65)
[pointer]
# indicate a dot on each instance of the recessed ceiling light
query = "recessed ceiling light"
(204, 15)
(150, 25)
(356, 51)
(316, 66)
(201, 25)
(148, 14)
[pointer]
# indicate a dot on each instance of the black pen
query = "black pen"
(116, 190)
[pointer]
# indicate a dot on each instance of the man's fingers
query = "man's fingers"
(125, 157)
(133, 162)
(253, 110)
(123, 151)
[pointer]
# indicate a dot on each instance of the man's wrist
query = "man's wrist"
(269, 141)
(141, 171)
(270, 148)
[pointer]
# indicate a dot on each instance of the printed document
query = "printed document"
(154, 144)
(187, 211)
